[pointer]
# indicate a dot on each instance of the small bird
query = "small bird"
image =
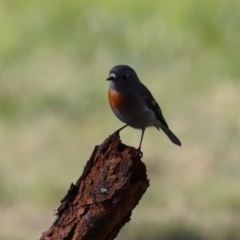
(134, 104)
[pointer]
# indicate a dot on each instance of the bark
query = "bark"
(101, 202)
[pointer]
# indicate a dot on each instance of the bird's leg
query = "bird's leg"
(139, 148)
(116, 133)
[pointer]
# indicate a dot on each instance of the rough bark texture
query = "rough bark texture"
(102, 200)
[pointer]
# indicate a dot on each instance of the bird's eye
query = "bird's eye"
(124, 76)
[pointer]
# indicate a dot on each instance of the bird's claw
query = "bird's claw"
(115, 134)
(140, 152)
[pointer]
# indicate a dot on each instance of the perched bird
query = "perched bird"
(134, 104)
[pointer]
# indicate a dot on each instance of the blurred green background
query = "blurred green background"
(55, 57)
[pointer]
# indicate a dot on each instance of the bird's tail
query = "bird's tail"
(171, 136)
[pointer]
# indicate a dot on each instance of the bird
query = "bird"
(134, 105)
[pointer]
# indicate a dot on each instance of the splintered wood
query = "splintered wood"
(101, 202)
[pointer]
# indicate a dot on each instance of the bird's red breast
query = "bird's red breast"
(118, 101)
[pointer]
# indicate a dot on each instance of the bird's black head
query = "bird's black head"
(122, 73)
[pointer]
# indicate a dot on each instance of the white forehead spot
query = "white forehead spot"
(112, 75)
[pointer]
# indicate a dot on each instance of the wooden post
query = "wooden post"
(102, 200)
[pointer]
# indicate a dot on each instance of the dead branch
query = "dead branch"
(102, 200)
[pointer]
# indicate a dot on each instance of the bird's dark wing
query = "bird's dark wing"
(152, 104)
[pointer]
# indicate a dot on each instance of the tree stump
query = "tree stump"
(101, 202)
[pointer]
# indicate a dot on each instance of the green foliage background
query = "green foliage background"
(55, 57)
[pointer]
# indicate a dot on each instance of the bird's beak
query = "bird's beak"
(111, 77)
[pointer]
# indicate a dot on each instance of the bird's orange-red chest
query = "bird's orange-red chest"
(117, 100)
